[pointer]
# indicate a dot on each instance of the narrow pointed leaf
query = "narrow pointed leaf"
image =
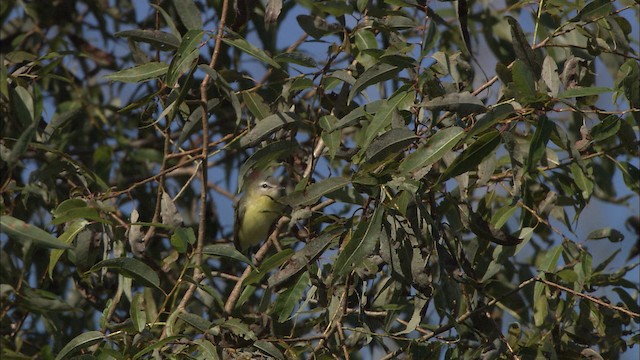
(80, 342)
(315, 191)
(140, 73)
(473, 155)
(433, 149)
(159, 39)
(131, 268)
(361, 244)
(188, 51)
(463, 103)
(268, 126)
(377, 73)
(257, 53)
(22, 231)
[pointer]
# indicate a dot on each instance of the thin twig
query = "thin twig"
(259, 256)
(590, 298)
(460, 319)
(197, 271)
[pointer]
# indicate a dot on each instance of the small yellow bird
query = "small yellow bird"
(256, 211)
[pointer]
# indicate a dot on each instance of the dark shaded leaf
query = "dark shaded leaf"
(268, 126)
(189, 14)
(302, 258)
(187, 53)
(140, 73)
(80, 342)
(362, 243)
(132, 268)
(316, 26)
(257, 53)
(523, 49)
(539, 141)
(287, 300)
(22, 231)
(227, 251)
(462, 103)
(376, 74)
(472, 156)
(161, 40)
(315, 191)
(390, 143)
(606, 233)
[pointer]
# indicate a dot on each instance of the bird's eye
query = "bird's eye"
(265, 185)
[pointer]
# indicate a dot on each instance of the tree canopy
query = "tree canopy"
(441, 159)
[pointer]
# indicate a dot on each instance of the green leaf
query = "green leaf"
(593, 10)
(539, 141)
(246, 47)
(550, 75)
(362, 243)
(158, 344)
(137, 313)
(24, 232)
(502, 215)
(237, 327)
(73, 229)
(550, 260)
(390, 143)
(287, 300)
(630, 175)
(268, 126)
(265, 157)
(365, 39)
(188, 13)
(256, 105)
(523, 49)
(332, 139)
(316, 26)
(23, 105)
(187, 53)
(463, 103)
(139, 73)
(269, 349)
(540, 304)
(582, 181)
(22, 144)
(227, 251)
(359, 113)
(433, 149)
(269, 264)
(607, 128)
(490, 119)
(131, 268)
(382, 119)
(315, 191)
(159, 39)
(606, 233)
(80, 342)
(584, 91)
(377, 73)
(302, 258)
(335, 8)
(296, 58)
(208, 350)
(181, 237)
(472, 156)
(525, 84)
(73, 209)
(197, 322)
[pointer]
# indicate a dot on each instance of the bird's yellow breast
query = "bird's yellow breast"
(259, 215)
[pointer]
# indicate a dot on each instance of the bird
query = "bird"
(256, 211)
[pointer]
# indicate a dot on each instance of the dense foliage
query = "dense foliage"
(439, 156)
